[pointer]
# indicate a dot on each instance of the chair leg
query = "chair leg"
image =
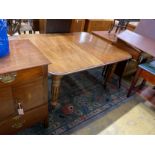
(142, 84)
(134, 81)
(117, 28)
(112, 26)
(104, 71)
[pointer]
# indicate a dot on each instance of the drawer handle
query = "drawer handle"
(17, 122)
(8, 77)
(20, 109)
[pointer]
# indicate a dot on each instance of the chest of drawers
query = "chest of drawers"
(23, 86)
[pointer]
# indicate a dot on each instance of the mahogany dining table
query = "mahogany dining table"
(73, 52)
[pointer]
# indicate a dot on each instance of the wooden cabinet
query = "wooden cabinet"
(77, 25)
(6, 97)
(97, 24)
(61, 25)
(24, 82)
(55, 25)
(104, 25)
(132, 26)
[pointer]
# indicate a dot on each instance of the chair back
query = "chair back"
(13, 26)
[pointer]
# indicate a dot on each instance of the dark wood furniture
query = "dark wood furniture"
(35, 25)
(61, 25)
(104, 25)
(74, 52)
(122, 24)
(121, 67)
(140, 47)
(112, 36)
(77, 25)
(119, 24)
(23, 86)
(55, 25)
(97, 24)
(138, 41)
(146, 72)
(13, 26)
(144, 45)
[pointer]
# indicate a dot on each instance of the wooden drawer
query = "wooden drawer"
(16, 123)
(97, 25)
(29, 95)
(148, 76)
(22, 76)
(6, 103)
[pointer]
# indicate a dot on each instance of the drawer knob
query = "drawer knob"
(18, 122)
(8, 77)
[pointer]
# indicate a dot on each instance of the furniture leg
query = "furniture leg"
(120, 71)
(117, 27)
(45, 123)
(112, 26)
(134, 81)
(109, 73)
(55, 88)
(120, 81)
(142, 84)
(104, 71)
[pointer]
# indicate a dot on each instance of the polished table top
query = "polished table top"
(111, 37)
(74, 52)
(23, 55)
(141, 42)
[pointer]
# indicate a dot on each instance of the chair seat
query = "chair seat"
(149, 67)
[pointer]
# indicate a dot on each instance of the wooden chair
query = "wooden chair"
(147, 72)
(26, 26)
(120, 24)
(22, 26)
(13, 26)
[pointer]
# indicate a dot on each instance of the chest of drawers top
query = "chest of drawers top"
(23, 55)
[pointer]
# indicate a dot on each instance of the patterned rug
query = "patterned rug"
(83, 99)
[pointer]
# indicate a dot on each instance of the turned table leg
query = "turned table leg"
(45, 123)
(55, 88)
